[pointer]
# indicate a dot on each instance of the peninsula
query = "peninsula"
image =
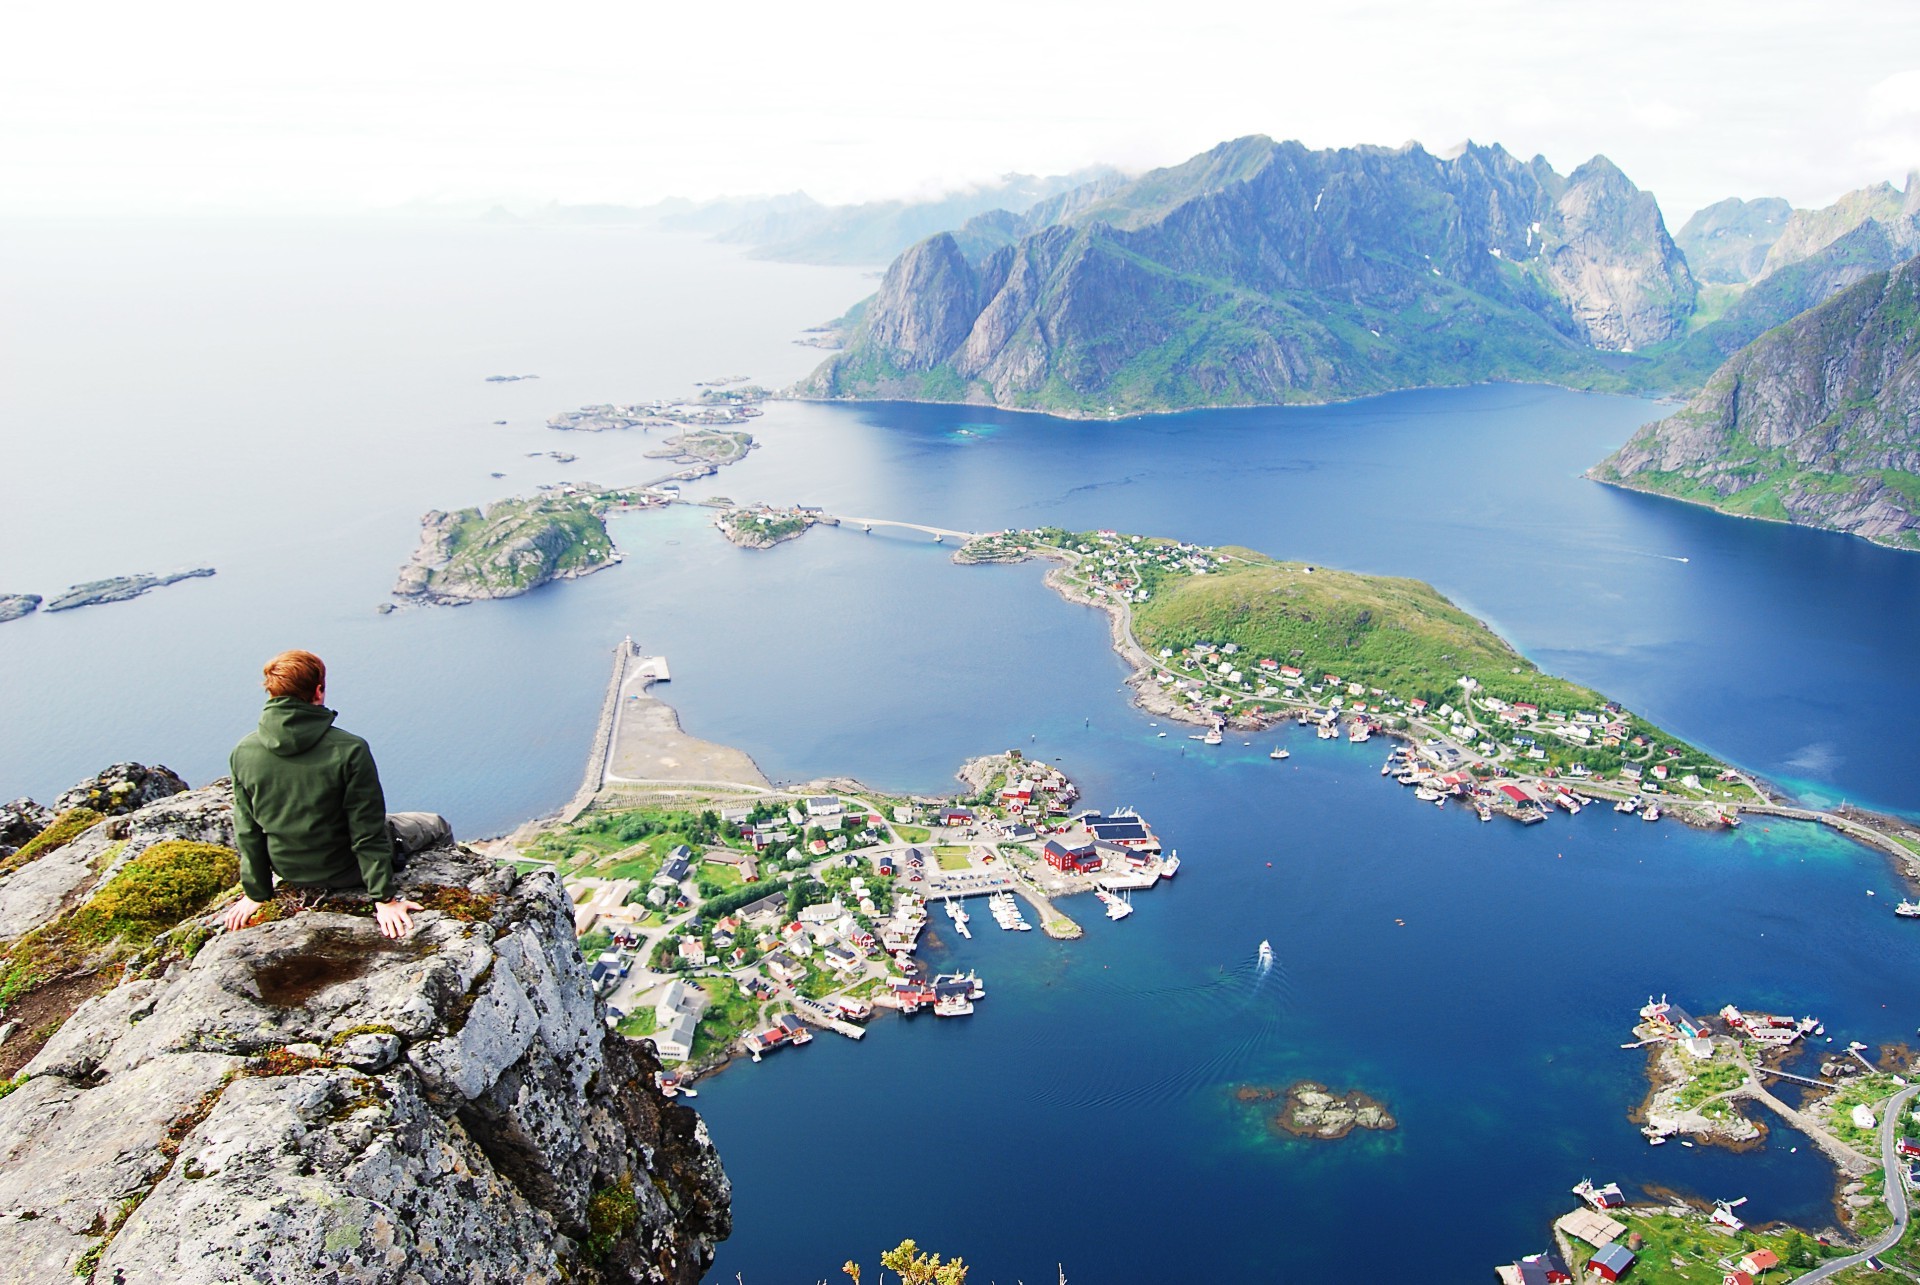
(1226, 637)
(15, 605)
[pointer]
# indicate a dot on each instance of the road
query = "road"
(1896, 1194)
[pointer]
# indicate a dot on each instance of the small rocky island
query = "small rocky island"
(117, 589)
(15, 605)
(514, 545)
(765, 526)
(509, 379)
(1311, 1110)
(704, 446)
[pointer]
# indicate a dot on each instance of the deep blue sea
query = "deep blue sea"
(284, 401)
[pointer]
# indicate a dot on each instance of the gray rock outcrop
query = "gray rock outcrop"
(122, 788)
(15, 605)
(306, 1100)
(20, 820)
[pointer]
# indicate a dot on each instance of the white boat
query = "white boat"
(1625, 805)
(1117, 907)
(1266, 953)
(1358, 734)
(953, 1006)
(1652, 813)
(1328, 732)
(1279, 753)
(1170, 865)
(1386, 768)
(1908, 910)
(1486, 813)
(1426, 794)
(976, 989)
(1213, 737)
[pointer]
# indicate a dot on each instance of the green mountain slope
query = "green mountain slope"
(1265, 272)
(1815, 422)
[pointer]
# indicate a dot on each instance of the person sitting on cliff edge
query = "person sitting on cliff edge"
(307, 804)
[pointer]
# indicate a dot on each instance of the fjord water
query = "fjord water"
(284, 402)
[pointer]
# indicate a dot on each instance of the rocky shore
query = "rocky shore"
(15, 605)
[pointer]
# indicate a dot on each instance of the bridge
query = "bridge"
(938, 533)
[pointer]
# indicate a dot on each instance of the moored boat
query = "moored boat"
(1908, 910)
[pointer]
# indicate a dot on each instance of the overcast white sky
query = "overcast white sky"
(132, 106)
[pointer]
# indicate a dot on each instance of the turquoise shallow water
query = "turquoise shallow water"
(323, 389)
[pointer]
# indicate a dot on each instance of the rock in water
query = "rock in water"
(119, 589)
(307, 1101)
(15, 605)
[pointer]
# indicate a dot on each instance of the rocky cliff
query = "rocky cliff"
(1815, 422)
(1267, 272)
(305, 1100)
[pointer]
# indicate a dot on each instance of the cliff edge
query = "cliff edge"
(305, 1100)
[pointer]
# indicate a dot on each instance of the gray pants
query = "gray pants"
(413, 831)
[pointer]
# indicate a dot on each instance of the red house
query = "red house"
(1611, 1262)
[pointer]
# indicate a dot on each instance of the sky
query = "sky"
(127, 107)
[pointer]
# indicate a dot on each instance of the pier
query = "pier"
(603, 736)
(1797, 1079)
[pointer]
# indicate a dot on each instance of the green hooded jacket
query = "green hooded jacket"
(307, 805)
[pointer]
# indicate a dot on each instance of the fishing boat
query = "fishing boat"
(1386, 768)
(1266, 953)
(1908, 910)
(1652, 813)
(952, 1006)
(1279, 753)
(1328, 732)
(1117, 907)
(1170, 865)
(1485, 812)
(1359, 733)
(1626, 805)
(1426, 793)
(1213, 737)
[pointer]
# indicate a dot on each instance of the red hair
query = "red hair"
(299, 674)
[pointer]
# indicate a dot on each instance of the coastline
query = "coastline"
(1148, 696)
(791, 395)
(1621, 484)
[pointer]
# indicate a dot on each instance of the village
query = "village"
(1462, 742)
(1700, 1068)
(717, 930)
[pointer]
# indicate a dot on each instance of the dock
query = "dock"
(814, 1013)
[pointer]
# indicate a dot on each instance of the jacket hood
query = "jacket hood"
(289, 726)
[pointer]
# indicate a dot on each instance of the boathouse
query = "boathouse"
(1612, 1261)
(1124, 832)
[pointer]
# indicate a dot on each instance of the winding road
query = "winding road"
(1896, 1194)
